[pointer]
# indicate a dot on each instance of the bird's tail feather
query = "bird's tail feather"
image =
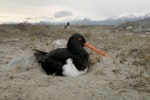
(41, 52)
(40, 55)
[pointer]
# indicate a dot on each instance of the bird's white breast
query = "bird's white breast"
(69, 69)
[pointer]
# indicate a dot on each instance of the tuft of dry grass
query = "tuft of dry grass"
(87, 34)
(93, 59)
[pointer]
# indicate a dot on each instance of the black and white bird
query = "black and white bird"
(70, 61)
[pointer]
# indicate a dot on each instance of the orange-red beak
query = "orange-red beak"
(94, 49)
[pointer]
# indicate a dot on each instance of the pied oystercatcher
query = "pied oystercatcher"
(70, 61)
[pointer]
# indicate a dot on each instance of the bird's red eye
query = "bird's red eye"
(79, 38)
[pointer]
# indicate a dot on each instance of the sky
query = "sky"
(94, 9)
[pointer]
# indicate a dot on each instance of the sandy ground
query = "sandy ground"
(117, 77)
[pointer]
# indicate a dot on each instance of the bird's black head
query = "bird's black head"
(76, 40)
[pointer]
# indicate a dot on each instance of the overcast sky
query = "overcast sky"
(98, 9)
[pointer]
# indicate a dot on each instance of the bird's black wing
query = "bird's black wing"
(59, 55)
(53, 61)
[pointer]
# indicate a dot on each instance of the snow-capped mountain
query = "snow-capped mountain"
(126, 17)
(75, 19)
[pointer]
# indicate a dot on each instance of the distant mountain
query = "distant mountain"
(109, 21)
(123, 19)
(143, 22)
(77, 20)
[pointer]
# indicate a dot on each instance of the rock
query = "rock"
(147, 33)
(129, 28)
(19, 61)
(59, 42)
(148, 30)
